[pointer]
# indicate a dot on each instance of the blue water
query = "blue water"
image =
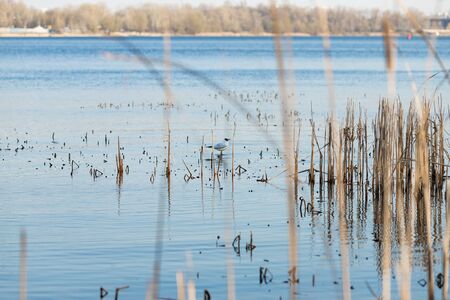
(84, 233)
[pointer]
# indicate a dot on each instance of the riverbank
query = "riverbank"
(205, 34)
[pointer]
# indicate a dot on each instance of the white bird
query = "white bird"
(222, 146)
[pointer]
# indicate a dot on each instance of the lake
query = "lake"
(70, 99)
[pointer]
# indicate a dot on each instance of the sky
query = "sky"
(427, 6)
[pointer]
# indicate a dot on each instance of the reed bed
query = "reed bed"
(408, 172)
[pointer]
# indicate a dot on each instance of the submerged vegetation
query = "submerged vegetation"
(185, 19)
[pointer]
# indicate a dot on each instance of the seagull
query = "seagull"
(222, 146)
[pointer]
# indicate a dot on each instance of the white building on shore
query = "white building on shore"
(38, 30)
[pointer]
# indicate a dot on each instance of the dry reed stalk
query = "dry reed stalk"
(212, 154)
(119, 165)
(180, 286)
(330, 153)
(191, 290)
(217, 171)
(389, 56)
(294, 144)
(433, 154)
(375, 160)
(403, 267)
(202, 149)
(386, 147)
(349, 137)
(231, 291)
(296, 159)
(359, 133)
(423, 186)
(153, 289)
(168, 99)
(232, 154)
(23, 289)
(167, 73)
(119, 160)
(384, 150)
(441, 160)
(311, 165)
(409, 152)
(328, 66)
(286, 107)
(343, 231)
(410, 229)
(399, 166)
(320, 158)
(168, 171)
(404, 277)
(445, 242)
(366, 158)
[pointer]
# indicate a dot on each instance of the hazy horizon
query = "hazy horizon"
(424, 6)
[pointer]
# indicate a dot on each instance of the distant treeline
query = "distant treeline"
(150, 18)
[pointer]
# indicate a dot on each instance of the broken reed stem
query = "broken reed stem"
(168, 99)
(119, 160)
(320, 158)
(232, 154)
(23, 266)
(213, 167)
(202, 148)
(331, 152)
(311, 165)
(286, 108)
(231, 290)
(119, 165)
(167, 74)
(191, 290)
(153, 289)
(389, 56)
(446, 241)
(296, 159)
(168, 171)
(180, 286)
(328, 66)
(217, 170)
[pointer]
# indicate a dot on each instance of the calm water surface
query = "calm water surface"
(85, 233)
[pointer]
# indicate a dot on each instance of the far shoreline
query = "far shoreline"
(206, 34)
